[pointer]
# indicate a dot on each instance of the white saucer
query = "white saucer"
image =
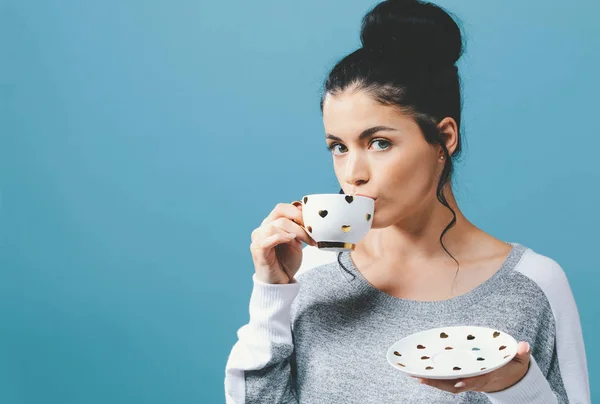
(452, 352)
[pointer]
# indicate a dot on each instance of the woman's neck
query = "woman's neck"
(417, 237)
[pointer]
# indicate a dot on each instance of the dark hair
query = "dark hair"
(407, 59)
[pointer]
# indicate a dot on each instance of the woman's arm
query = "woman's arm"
(258, 368)
(568, 364)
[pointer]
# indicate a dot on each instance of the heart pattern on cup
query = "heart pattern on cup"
(330, 214)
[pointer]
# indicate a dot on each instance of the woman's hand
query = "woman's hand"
(498, 380)
(277, 244)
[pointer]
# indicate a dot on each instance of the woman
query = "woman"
(321, 322)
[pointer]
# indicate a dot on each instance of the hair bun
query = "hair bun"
(418, 33)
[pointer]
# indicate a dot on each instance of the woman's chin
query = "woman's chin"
(381, 220)
(378, 223)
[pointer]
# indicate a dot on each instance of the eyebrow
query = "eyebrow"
(365, 133)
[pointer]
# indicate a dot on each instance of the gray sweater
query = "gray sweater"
(324, 338)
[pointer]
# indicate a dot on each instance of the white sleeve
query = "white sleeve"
(258, 367)
(534, 388)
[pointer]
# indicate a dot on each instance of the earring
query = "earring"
(441, 157)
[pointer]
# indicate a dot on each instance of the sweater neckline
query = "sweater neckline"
(481, 291)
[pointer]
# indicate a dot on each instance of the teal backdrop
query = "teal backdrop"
(141, 142)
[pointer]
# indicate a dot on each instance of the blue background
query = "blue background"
(142, 142)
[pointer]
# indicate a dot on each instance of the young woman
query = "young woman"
(321, 322)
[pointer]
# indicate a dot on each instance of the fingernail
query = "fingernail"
(459, 385)
(297, 203)
(528, 348)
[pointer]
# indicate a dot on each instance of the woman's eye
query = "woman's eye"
(333, 146)
(384, 144)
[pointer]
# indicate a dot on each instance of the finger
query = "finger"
(297, 244)
(284, 210)
(268, 229)
(277, 239)
(288, 226)
(523, 355)
(446, 385)
(476, 383)
(298, 205)
(271, 241)
(523, 350)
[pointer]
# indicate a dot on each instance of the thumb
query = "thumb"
(523, 352)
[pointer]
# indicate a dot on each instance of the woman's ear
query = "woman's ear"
(449, 132)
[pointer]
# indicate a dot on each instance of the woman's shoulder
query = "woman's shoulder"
(549, 276)
(542, 269)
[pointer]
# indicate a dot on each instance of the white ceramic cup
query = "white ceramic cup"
(337, 221)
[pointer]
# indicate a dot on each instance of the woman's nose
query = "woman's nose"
(356, 172)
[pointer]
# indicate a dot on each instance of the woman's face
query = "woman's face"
(380, 152)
